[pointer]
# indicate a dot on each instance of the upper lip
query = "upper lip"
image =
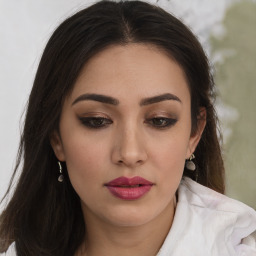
(125, 181)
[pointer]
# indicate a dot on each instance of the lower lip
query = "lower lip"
(129, 193)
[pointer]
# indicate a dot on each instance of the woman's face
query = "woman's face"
(125, 134)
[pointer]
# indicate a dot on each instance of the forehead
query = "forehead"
(131, 71)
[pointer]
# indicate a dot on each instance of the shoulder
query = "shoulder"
(200, 196)
(209, 223)
(10, 252)
(231, 220)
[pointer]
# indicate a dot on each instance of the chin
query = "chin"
(129, 217)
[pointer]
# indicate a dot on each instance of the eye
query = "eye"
(161, 122)
(95, 122)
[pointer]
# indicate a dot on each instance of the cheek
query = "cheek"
(85, 172)
(169, 155)
(172, 159)
(84, 160)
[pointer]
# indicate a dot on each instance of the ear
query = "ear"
(196, 136)
(57, 146)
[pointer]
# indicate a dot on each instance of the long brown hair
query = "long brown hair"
(43, 216)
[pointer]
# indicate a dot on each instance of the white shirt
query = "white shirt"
(206, 223)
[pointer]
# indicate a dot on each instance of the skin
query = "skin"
(130, 142)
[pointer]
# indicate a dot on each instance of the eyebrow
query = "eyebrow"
(110, 100)
(97, 97)
(159, 98)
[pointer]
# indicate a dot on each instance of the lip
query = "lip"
(129, 188)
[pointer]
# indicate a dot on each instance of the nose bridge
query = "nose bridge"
(130, 149)
(129, 141)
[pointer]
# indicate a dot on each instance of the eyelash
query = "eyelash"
(102, 122)
(91, 122)
(167, 122)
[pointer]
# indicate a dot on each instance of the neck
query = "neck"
(146, 239)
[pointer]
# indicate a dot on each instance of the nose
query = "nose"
(129, 149)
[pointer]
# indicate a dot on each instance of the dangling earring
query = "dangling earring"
(61, 177)
(190, 165)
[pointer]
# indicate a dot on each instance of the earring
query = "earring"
(61, 177)
(190, 165)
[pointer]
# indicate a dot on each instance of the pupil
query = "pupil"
(159, 121)
(98, 121)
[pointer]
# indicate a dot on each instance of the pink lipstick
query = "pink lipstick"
(129, 188)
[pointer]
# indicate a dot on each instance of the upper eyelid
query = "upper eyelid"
(116, 114)
(104, 117)
(86, 121)
(93, 115)
(163, 115)
(168, 125)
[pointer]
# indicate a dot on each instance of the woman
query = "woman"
(120, 152)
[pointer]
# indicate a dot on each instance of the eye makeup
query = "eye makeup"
(158, 116)
(95, 122)
(161, 122)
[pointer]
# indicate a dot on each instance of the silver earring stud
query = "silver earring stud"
(61, 177)
(190, 165)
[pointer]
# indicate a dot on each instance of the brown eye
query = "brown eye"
(95, 122)
(161, 122)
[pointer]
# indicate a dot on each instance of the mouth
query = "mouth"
(129, 188)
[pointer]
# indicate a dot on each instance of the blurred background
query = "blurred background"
(226, 30)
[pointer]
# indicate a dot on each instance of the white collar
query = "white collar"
(209, 223)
